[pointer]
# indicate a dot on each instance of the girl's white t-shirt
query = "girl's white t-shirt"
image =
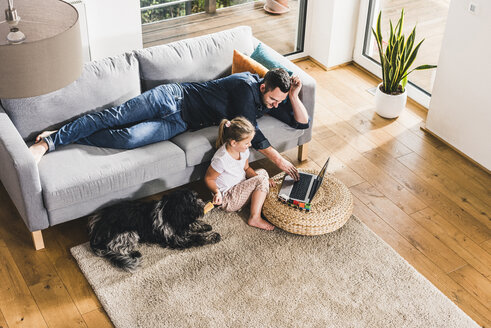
(231, 170)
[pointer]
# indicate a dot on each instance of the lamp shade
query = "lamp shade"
(49, 58)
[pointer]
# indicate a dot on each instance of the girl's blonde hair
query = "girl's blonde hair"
(237, 129)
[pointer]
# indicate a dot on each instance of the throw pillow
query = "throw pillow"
(268, 58)
(242, 63)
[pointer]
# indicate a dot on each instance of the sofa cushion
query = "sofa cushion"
(199, 146)
(242, 63)
(144, 189)
(104, 83)
(77, 173)
(193, 60)
(270, 59)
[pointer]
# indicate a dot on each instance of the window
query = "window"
(166, 21)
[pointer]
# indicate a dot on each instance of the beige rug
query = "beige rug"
(254, 278)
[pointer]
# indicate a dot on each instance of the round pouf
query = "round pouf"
(331, 208)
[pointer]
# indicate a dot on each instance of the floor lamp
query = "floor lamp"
(40, 47)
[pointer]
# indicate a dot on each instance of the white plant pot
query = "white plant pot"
(389, 106)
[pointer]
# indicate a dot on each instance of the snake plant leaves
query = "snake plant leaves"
(398, 56)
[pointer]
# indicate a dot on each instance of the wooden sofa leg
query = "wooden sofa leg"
(37, 238)
(303, 151)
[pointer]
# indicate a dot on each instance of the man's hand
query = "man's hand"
(289, 169)
(279, 161)
(296, 85)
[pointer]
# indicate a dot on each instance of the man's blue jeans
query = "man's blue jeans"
(153, 116)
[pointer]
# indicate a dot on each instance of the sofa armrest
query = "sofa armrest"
(307, 93)
(20, 176)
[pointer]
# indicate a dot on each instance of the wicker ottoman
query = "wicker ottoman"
(331, 208)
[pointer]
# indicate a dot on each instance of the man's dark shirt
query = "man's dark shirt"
(207, 103)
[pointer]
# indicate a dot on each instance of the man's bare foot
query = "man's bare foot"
(44, 134)
(38, 150)
(258, 222)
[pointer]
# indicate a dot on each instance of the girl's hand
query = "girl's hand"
(271, 182)
(217, 198)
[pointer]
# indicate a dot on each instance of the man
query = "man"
(167, 110)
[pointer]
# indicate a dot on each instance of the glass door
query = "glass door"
(281, 27)
(429, 17)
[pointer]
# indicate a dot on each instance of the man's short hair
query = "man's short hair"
(277, 78)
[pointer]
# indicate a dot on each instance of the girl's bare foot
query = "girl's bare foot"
(258, 222)
(43, 134)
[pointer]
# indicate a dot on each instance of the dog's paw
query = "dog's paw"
(213, 238)
(133, 266)
(205, 227)
(199, 226)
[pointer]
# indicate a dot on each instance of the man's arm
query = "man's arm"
(243, 103)
(262, 145)
(299, 111)
(279, 161)
(292, 111)
(301, 120)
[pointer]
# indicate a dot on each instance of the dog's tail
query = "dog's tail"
(120, 250)
(126, 262)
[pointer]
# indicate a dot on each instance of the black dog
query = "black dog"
(172, 222)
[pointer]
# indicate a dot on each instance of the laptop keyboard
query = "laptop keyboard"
(300, 187)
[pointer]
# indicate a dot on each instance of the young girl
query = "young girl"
(230, 178)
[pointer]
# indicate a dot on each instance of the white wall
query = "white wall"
(114, 27)
(460, 108)
(332, 30)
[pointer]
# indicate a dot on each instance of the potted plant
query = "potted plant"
(276, 6)
(396, 60)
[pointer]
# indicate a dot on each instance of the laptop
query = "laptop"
(305, 188)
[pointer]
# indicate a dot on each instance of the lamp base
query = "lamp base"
(15, 36)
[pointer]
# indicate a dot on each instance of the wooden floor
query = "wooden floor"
(426, 201)
(277, 31)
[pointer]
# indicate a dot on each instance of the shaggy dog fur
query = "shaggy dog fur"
(172, 222)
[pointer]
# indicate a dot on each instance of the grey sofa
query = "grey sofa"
(76, 180)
